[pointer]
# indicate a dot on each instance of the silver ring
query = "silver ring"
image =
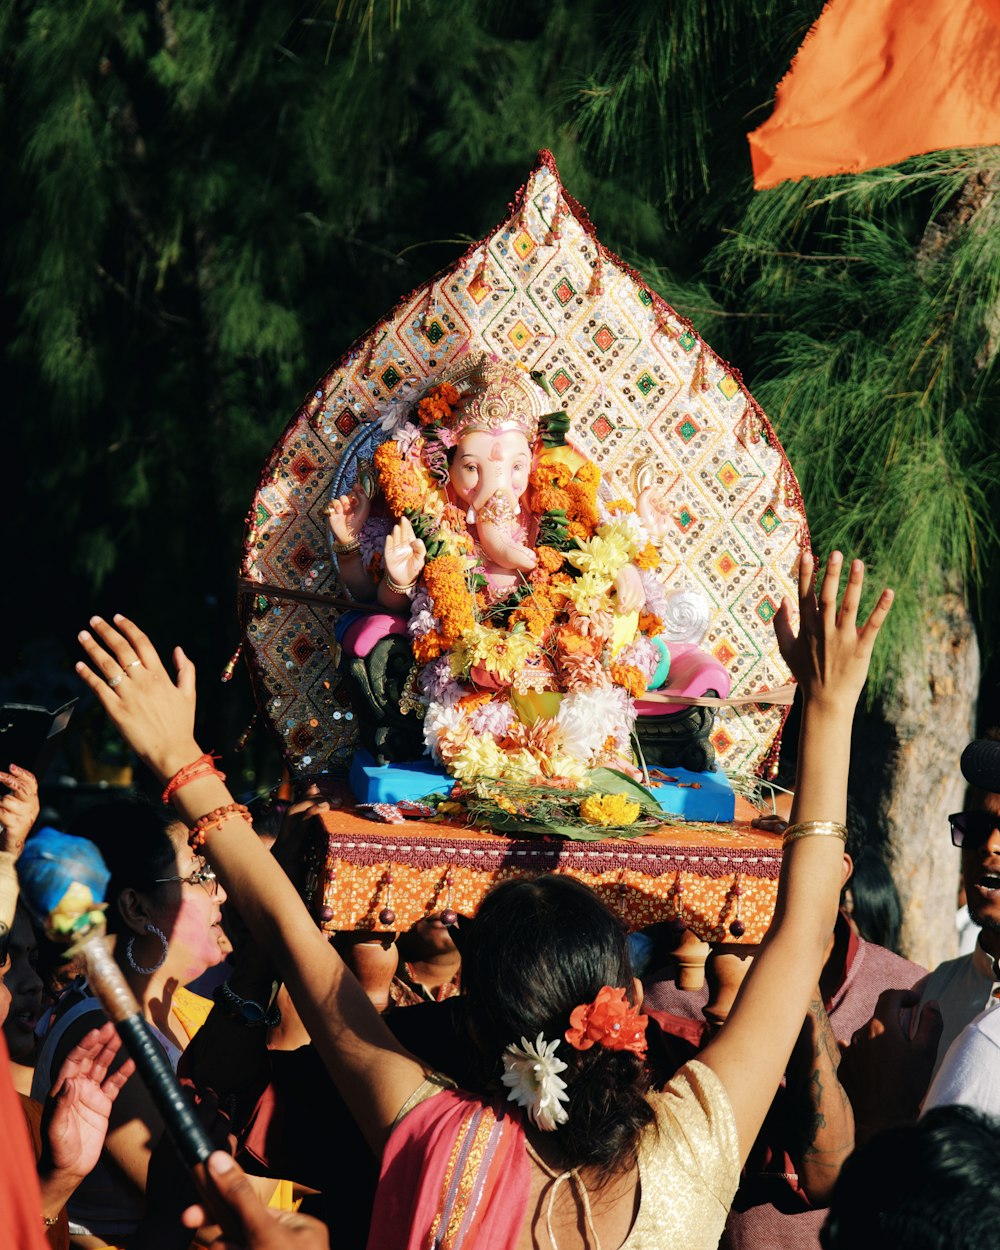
(116, 681)
(133, 664)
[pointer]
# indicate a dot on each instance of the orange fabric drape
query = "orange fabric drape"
(877, 81)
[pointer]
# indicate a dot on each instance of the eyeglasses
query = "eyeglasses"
(972, 828)
(204, 877)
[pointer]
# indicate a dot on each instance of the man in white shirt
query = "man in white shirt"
(966, 986)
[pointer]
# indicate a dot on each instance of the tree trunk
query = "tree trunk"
(908, 758)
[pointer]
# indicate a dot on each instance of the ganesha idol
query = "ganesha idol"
(515, 618)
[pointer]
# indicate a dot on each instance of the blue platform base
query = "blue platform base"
(713, 800)
(394, 783)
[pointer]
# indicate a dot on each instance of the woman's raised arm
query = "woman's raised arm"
(155, 715)
(829, 658)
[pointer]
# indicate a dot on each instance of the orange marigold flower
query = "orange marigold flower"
(570, 642)
(428, 647)
(648, 557)
(471, 701)
(403, 483)
(576, 530)
(629, 677)
(453, 603)
(453, 518)
(617, 506)
(588, 473)
(547, 499)
(650, 624)
(551, 473)
(550, 559)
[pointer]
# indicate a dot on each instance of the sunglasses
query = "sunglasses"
(972, 828)
(204, 877)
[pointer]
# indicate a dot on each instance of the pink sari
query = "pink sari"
(454, 1176)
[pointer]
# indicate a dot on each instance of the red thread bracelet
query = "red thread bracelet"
(203, 766)
(212, 820)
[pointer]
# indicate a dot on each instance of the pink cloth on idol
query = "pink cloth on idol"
(473, 1197)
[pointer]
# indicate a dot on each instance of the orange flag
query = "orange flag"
(877, 81)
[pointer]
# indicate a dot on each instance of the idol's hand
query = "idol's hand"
(347, 515)
(628, 585)
(154, 714)
(18, 808)
(829, 656)
(654, 511)
(405, 554)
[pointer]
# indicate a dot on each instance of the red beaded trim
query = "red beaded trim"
(213, 820)
(203, 766)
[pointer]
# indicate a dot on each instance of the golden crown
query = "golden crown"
(496, 397)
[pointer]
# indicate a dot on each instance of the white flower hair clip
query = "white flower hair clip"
(531, 1073)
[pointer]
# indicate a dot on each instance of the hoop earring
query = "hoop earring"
(130, 952)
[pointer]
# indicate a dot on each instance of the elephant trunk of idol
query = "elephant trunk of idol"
(495, 525)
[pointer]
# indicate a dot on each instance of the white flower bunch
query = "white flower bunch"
(531, 1073)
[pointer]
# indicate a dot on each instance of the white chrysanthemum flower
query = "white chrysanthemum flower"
(588, 717)
(531, 1073)
(438, 720)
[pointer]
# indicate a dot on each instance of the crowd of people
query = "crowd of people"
(516, 1086)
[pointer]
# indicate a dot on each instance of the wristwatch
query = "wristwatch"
(250, 1014)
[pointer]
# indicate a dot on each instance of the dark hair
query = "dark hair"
(876, 908)
(131, 835)
(924, 1186)
(536, 950)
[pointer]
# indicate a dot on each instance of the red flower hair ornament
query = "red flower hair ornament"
(609, 1021)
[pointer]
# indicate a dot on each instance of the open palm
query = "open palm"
(81, 1103)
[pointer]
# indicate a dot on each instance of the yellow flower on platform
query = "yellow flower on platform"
(608, 809)
(478, 757)
(498, 651)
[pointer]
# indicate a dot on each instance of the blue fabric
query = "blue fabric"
(50, 863)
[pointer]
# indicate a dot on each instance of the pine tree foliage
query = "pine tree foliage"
(878, 366)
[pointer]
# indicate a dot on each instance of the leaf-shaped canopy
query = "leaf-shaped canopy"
(649, 402)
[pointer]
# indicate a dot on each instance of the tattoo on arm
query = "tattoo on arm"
(825, 1119)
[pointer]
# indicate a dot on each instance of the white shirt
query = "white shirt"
(970, 1072)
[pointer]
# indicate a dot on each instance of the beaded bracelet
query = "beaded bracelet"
(213, 820)
(203, 766)
(345, 549)
(814, 829)
(400, 590)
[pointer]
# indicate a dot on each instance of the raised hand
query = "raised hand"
(829, 656)
(18, 808)
(347, 515)
(405, 554)
(153, 713)
(82, 1096)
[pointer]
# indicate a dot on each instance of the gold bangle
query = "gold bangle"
(345, 549)
(395, 586)
(814, 829)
